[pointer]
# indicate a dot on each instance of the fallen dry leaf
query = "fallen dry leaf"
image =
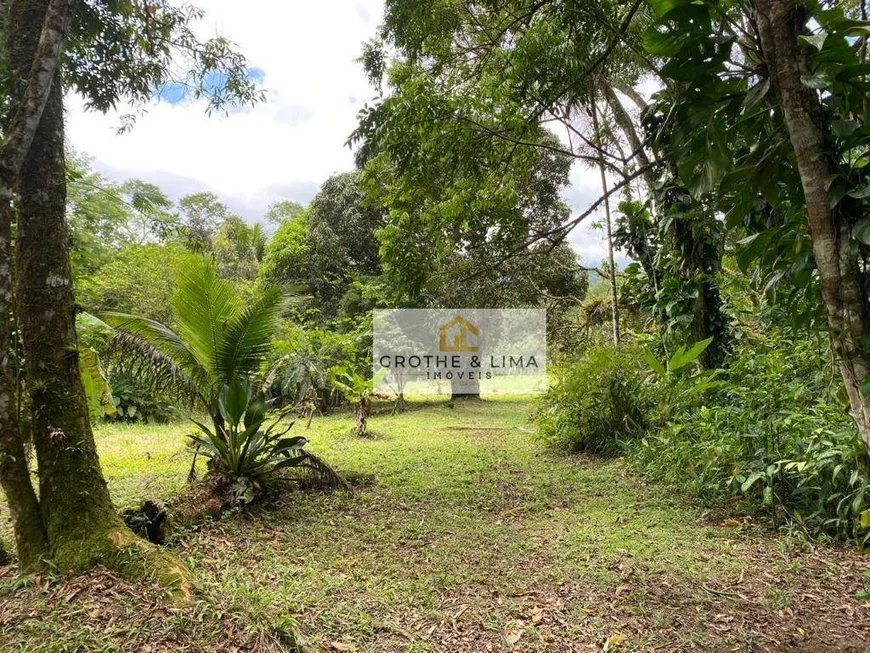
(513, 637)
(614, 641)
(340, 646)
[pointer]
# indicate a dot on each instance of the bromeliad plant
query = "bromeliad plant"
(248, 454)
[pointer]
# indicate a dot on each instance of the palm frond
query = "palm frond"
(247, 336)
(202, 306)
(322, 474)
(147, 348)
(275, 369)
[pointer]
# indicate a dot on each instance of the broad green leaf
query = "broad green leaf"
(815, 40)
(861, 231)
(654, 364)
(236, 401)
(684, 357)
(751, 480)
(844, 128)
(860, 193)
(818, 81)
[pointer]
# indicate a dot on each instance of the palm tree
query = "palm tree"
(218, 338)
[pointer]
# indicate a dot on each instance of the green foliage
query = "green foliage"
(242, 448)
(730, 145)
(105, 217)
(137, 400)
(217, 339)
(351, 383)
(456, 148)
(284, 211)
(97, 391)
(201, 215)
(598, 403)
(768, 434)
(328, 249)
(359, 390)
(286, 256)
(236, 248)
(302, 359)
(128, 52)
(771, 435)
(140, 279)
(93, 337)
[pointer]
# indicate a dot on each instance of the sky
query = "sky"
(284, 148)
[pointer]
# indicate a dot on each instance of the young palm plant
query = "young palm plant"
(218, 338)
(213, 356)
(358, 390)
(251, 455)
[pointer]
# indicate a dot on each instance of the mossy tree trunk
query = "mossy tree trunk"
(20, 125)
(77, 512)
(30, 538)
(80, 523)
(781, 24)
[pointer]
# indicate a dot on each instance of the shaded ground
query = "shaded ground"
(471, 538)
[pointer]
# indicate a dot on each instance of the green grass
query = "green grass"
(471, 536)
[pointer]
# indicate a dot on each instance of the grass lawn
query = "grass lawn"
(470, 537)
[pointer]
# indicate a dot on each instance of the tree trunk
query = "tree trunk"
(471, 390)
(77, 512)
(30, 537)
(614, 295)
(82, 527)
(845, 302)
(363, 410)
(623, 120)
(32, 93)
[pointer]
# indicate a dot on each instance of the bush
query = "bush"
(250, 455)
(771, 436)
(136, 399)
(597, 404)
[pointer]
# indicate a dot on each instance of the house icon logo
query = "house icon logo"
(458, 335)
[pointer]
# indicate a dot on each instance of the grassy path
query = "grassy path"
(470, 537)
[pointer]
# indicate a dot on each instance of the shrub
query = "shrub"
(598, 403)
(768, 433)
(136, 399)
(771, 436)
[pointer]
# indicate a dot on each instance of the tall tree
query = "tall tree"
(202, 215)
(34, 92)
(114, 54)
(282, 210)
(512, 71)
(772, 101)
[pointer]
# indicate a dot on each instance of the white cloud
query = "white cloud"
(284, 148)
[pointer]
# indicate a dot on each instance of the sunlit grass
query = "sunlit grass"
(463, 508)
